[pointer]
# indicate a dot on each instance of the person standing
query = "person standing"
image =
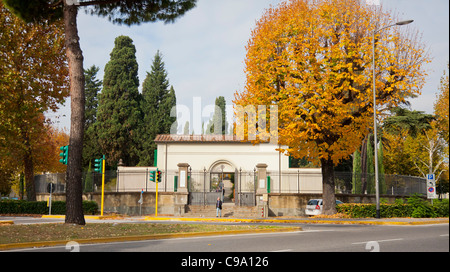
(219, 207)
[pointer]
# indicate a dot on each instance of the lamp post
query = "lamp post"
(377, 191)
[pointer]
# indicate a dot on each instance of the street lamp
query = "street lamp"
(377, 191)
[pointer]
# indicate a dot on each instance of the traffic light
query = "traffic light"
(64, 154)
(152, 176)
(98, 165)
(158, 176)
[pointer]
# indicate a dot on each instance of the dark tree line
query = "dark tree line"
(122, 123)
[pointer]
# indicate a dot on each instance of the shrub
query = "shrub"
(40, 207)
(421, 208)
(441, 207)
(415, 207)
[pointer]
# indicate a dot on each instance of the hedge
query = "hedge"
(415, 207)
(40, 207)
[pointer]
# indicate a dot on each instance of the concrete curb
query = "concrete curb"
(143, 237)
(297, 221)
(6, 222)
(276, 220)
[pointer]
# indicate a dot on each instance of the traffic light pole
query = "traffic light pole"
(156, 209)
(103, 184)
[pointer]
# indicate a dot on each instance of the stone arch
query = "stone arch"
(227, 166)
(222, 171)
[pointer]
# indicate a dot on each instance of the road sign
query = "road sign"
(51, 188)
(431, 187)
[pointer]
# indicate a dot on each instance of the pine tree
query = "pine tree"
(91, 149)
(92, 88)
(118, 111)
(157, 102)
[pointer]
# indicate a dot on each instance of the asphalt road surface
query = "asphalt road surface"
(313, 238)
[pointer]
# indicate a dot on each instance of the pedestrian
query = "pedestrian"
(219, 207)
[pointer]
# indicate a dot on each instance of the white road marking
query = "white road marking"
(379, 241)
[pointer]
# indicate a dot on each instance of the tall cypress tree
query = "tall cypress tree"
(370, 167)
(356, 179)
(219, 117)
(118, 110)
(157, 102)
(381, 177)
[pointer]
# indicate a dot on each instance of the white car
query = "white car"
(315, 206)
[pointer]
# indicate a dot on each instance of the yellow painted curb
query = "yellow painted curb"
(6, 222)
(54, 216)
(143, 237)
(92, 217)
(296, 221)
(233, 220)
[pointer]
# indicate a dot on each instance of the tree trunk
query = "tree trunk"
(74, 208)
(28, 167)
(329, 197)
(29, 174)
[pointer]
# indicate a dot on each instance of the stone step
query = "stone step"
(228, 210)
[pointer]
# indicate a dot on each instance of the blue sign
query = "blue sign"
(430, 176)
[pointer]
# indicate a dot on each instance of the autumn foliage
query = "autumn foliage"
(313, 59)
(33, 80)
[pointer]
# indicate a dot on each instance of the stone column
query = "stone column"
(182, 177)
(261, 174)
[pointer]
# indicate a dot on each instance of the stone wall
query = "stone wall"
(295, 204)
(126, 203)
(170, 203)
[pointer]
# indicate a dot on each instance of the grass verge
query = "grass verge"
(11, 234)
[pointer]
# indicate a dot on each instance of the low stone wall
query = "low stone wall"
(171, 203)
(127, 202)
(295, 204)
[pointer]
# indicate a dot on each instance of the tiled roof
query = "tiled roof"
(171, 138)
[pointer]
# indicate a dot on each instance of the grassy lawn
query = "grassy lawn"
(56, 232)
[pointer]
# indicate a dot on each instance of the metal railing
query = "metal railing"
(243, 191)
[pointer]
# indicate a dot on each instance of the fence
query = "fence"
(240, 186)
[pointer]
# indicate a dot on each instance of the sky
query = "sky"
(204, 51)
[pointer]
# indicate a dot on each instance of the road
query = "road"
(313, 238)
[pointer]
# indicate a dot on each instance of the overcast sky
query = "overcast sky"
(204, 50)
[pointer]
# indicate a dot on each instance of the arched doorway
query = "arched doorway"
(222, 179)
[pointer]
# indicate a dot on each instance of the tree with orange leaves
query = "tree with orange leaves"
(313, 59)
(34, 78)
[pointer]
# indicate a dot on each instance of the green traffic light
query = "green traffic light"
(64, 154)
(98, 165)
(152, 176)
